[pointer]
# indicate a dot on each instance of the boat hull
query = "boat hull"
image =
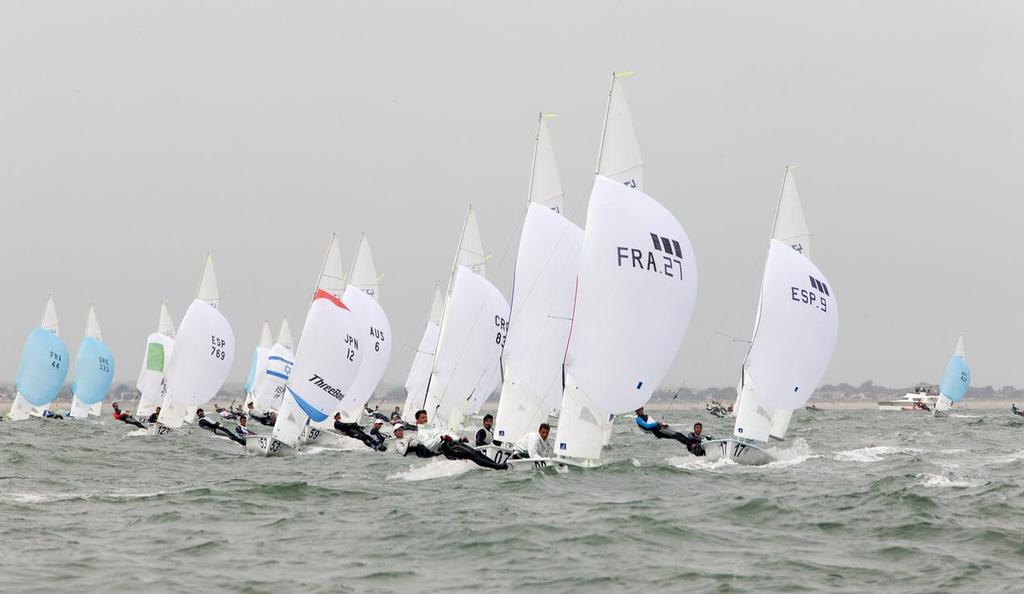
(266, 446)
(737, 451)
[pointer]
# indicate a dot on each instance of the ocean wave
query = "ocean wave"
(873, 453)
(433, 470)
(941, 480)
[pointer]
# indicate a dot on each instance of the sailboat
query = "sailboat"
(159, 346)
(204, 351)
(258, 367)
(327, 360)
(795, 333)
(423, 360)
(94, 372)
(956, 381)
(43, 367)
(268, 386)
(542, 302)
(466, 366)
(362, 298)
(635, 296)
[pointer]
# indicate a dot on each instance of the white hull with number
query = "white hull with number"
(739, 452)
(266, 446)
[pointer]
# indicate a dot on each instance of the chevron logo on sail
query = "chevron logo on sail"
(818, 285)
(662, 245)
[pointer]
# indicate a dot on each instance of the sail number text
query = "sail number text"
(663, 263)
(218, 347)
(811, 298)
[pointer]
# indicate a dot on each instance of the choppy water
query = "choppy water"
(861, 501)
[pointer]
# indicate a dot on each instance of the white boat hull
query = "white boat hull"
(266, 446)
(737, 451)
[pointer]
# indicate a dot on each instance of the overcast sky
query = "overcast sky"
(137, 136)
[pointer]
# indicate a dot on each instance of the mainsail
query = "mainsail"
(639, 271)
(94, 371)
(204, 351)
(423, 360)
(619, 157)
(542, 302)
(159, 346)
(364, 274)
(43, 368)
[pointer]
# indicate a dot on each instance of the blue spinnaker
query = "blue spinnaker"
(957, 379)
(44, 365)
(94, 371)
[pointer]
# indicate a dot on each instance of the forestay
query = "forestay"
(542, 304)
(467, 364)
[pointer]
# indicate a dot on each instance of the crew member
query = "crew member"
(124, 417)
(267, 419)
(485, 435)
(242, 430)
(697, 436)
(354, 431)
(216, 427)
(405, 445)
(661, 430)
(535, 445)
(437, 441)
(155, 415)
(375, 431)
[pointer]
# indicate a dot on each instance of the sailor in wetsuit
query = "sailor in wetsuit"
(156, 415)
(485, 435)
(375, 431)
(535, 445)
(1015, 410)
(52, 415)
(354, 431)
(437, 441)
(406, 445)
(216, 427)
(267, 419)
(698, 436)
(661, 430)
(241, 430)
(124, 417)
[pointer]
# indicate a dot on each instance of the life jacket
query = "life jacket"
(117, 414)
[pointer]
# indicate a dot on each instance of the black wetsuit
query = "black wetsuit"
(153, 417)
(218, 428)
(456, 450)
(655, 428)
(266, 420)
(696, 448)
(49, 415)
(127, 418)
(356, 432)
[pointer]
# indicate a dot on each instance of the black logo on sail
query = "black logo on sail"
(819, 286)
(662, 244)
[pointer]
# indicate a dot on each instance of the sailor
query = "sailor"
(216, 427)
(124, 417)
(485, 435)
(155, 415)
(535, 445)
(437, 441)
(396, 414)
(375, 431)
(242, 430)
(659, 429)
(697, 436)
(223, 412)
(354, 431)
(52, 415)
(406, 445)
(1015, 410)
(267, 419)
(376, 414)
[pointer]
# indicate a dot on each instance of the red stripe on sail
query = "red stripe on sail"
(322, 294)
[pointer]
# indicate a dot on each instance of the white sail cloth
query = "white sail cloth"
(542, 304)
(467, 363)
(374, 332)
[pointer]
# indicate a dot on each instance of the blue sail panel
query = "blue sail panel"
(94, 371)
(957, 379)
(44, 365)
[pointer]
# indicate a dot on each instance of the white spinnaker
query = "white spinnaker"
(797, 329)
(470, 253)
(619, 156)
(467, 364)
(204, 351)
(364, 273)
(545, 183)
(332, 276)
(374, 334)
(419, 372)
(327, 361)
(638, 275)
(542, 304)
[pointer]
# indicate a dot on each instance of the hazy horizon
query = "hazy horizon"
(135, 138)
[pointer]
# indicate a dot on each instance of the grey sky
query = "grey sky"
(135, 136)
